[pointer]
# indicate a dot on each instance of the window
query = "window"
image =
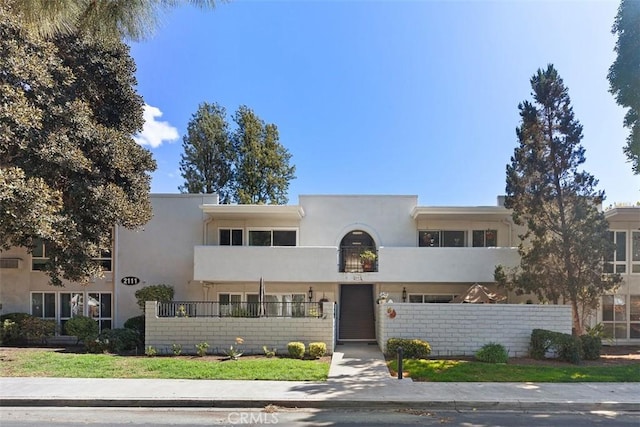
(272, 238)
(230, 237)
(616, 261)
(230, 304)
(39, 255)
(634, 317)
(43, 305)
(614, 315)
(445, 238)
(437, 298)
(99, 309)
(485, 238)
(635, 252)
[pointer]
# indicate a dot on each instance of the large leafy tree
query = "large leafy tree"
(101, 19)
(69, 167)
(624, 74)
(566, 236)
(262, 169)
(208, 156)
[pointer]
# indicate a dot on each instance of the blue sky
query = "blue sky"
(386, 97)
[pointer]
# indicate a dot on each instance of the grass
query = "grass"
(468, 371)
(70, 365)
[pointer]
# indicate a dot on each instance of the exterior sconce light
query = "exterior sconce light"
(310, 293)
(404, 294)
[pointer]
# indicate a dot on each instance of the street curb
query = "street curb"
(323, 404)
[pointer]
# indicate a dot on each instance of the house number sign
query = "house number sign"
(130, 280)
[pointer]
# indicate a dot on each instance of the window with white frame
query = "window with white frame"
(484, 238)
(43, 305)
(230, 304)
(616, 261)
(283, 237)
(39, 255)
(431, 298)
(614, 316)
(230, 237)
(635, 252)
(99, 309)
(285, 305)
(442, 238)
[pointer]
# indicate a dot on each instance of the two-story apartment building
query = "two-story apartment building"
(310, 251)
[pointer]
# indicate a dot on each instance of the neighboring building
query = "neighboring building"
(310, 251)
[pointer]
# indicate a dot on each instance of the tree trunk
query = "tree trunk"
(577, 324)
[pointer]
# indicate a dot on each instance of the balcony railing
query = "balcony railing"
(239, 309)
(352, 262)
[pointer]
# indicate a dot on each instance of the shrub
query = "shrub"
(591, 346)
(267, 352)
(10, 332)
(160, 293)
(37, 329)
(82, 327)
(118, 340)
(492, 353)
(150, 351)
(317, 349)
(296, 349)
(413, 348)
(176, 349)
(201, 348)
(136, 324)
(568, 347)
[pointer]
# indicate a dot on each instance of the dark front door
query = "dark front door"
(356, 313)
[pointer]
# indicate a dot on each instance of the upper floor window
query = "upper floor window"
(39, 255)
(230, 237)
(635, 252)
(442, 238)
(616, 261)
(485, 238)
(272, 238)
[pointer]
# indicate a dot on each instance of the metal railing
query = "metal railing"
(352, 262)
(239, 309)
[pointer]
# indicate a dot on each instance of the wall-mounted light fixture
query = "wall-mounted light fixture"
(404, 294)
(310, 293)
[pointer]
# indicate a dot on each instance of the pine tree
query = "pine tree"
(567, 235)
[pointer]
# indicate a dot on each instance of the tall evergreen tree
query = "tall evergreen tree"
(624, 75)
(567, 235)
(69, 167)
(207, 159)
(262, 170)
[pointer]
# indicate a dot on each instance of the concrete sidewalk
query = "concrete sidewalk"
(358, 378)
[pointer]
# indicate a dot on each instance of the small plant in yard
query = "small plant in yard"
(267, 352)
(176, 349)
(150, 351)
(296, 349)
(413, 348)
(201, 348)
(317, 349)
(234, 352)
(492, 353)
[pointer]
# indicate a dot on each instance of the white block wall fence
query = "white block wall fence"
(221, 332)
(462, 329)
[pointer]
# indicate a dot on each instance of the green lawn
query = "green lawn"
(55, 364)
(467, 371)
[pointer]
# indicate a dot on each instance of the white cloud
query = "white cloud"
(155, 132)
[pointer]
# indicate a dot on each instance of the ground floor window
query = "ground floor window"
(621, 316)
(275, 305)
(431, 298)
(62, 306)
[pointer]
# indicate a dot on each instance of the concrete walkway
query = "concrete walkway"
(358, 378)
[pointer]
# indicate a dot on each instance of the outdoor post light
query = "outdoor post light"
(310, 294)
(404, 294)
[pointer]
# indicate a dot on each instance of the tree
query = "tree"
(207, 159)
(262, 170)
(566, 236)
(69, 168)
(101, 19)
(624, 75)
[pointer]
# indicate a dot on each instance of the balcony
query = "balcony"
(282, 264)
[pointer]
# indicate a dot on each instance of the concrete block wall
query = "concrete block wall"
(221, 332)
(462, 329)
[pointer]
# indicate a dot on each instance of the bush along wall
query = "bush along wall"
(568, 348)
(412, 348)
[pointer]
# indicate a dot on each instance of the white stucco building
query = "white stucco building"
(309, 252)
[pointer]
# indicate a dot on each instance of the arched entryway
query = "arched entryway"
(358, 253)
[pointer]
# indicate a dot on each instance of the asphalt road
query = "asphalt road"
(42, 416)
